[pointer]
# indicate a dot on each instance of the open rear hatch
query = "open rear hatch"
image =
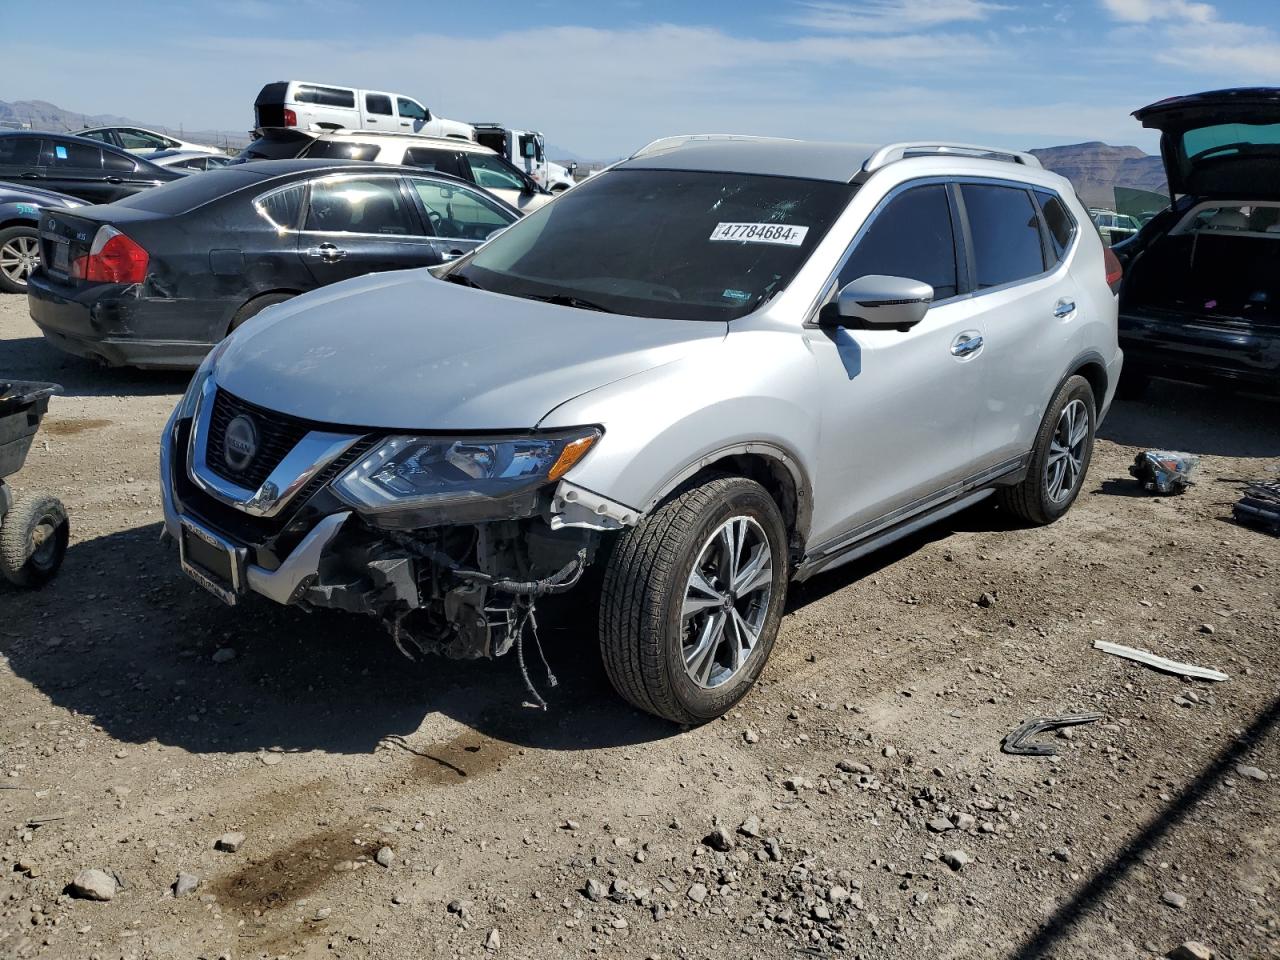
(268, 108)
(1221, 143)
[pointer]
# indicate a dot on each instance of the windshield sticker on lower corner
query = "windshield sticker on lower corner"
(782, 234)
(739, 295)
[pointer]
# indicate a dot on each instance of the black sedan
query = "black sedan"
(156, 280)
(19, 231)
(93, 171)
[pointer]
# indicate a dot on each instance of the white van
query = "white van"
(322, 107)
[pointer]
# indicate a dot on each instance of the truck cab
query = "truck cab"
(527, 150)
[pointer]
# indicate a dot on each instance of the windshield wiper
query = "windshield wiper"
(568, 300)
(456, 277)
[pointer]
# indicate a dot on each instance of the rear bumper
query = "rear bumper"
(111, 324)
(1185, 347)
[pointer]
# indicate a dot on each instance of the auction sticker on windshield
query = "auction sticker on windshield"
(783, 234)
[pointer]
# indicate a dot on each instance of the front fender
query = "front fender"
(741, 395)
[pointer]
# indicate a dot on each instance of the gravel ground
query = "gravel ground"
(856, 804)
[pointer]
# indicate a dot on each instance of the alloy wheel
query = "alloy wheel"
(1063, 466)
(18, 257)
(726, 602)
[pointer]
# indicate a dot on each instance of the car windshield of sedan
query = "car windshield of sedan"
(672, 244)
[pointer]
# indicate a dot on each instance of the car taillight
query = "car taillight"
(290, 118)
(1115, 272)
(113, 258)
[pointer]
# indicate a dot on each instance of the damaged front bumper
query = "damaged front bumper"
(463, 590)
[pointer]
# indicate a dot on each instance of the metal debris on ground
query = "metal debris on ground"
(1164, 472)
(1016, 742)
(1160, 663)
(1260, 507)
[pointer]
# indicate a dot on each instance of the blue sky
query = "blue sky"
(603, 78)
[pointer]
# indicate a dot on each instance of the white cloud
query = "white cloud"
(890, 16)
(1147, 11)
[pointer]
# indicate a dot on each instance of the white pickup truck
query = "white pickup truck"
(527, 150)
(323, 108)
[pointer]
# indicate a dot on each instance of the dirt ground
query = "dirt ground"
(865, 760)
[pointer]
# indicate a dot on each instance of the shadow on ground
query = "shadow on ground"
(1177, 416)
(30, 358)
(122, 637)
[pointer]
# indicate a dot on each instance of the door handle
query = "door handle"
(30, 176)
(113, 180)
(328, 253)
(1064, 308)
(966, 344)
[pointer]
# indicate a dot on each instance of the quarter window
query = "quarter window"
(458, 213)
(117, 163)
(141, 140)
(360, 205)
(326, 96)
(912, 236)
(1062, 228)
(1006, 234)
(342, 150)
(282, 207)
(377, 103)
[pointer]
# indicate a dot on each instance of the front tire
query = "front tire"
(1060, 458)
(33, 540)
(692, 599)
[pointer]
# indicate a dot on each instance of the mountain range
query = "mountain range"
(1094, 168)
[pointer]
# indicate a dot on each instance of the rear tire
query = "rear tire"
(255, 307)
(688, 619)
(33, 540)
(19, 255)
(1059, 459)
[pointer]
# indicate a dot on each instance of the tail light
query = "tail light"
(113, 258)
(1115, 272)
(290, 118)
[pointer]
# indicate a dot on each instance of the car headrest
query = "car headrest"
(1228, 220)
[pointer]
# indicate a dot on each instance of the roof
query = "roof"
(768, 156)
(804, 159)
(396, 136)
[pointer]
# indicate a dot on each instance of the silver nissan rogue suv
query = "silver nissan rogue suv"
(725, 364)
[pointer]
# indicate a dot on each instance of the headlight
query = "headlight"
(406, 474)
(187, 405)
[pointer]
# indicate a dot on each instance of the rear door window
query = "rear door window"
(442, 161)
(70, 154)
(377, 103)
(326, 96)
(911, 236)
(1006, 234)
(1062, 227)
(369, 205)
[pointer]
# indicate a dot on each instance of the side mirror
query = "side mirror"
(878, 301)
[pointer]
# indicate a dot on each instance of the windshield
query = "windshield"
(662, 243)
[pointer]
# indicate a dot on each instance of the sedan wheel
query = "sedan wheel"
(19, 256)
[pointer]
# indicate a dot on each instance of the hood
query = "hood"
(456, 128)
(1220, 143)
(16, 193)
(406, 351)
